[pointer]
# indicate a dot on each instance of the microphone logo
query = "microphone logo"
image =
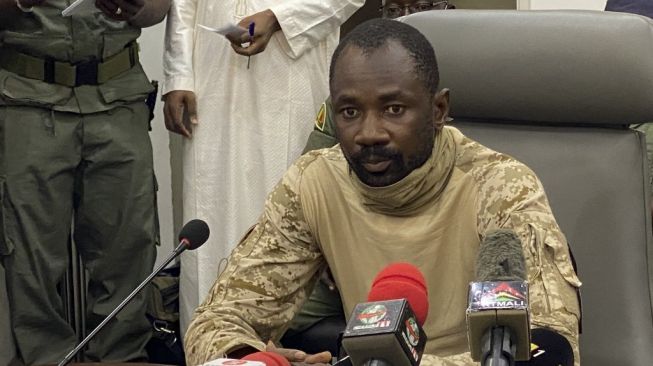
(411, 331)
(498, 295)
(373, 314)
(384, 330)
(410, 335)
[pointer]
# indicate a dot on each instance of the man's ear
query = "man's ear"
(441, 108)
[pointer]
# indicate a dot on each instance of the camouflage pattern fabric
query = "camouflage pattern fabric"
(466, 189)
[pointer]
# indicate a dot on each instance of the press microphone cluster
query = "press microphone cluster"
(387, 330)
(192, 236)
(497, 313)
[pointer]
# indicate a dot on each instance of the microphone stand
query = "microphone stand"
(183, 245)
(497, 347)
(377, 362)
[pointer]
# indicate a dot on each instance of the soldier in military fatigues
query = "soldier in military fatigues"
(326, 212)
(324, 302)
(75, 152)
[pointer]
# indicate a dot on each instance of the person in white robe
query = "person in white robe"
(245, 120)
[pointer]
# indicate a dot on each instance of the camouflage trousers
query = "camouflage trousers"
(87, 179)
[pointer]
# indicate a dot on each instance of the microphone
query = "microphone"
(267, 358)
(549, 348)
(253, 359)
(192, 236)
(387, 330)
(497, 314)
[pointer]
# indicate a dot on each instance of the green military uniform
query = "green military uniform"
(324, 132)
(75, 152)
(324, 302)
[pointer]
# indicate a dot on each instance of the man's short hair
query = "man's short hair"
(374, 34)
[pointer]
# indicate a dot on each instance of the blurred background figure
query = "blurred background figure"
(641, 7)
(245, 118)
(392, 9)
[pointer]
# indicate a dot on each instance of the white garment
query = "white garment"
(253, 123)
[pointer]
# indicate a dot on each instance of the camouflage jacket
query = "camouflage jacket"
(321, 214)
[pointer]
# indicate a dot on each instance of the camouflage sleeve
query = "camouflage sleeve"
(324, 132)
(463, 359)
(267, 278)
(512, 197)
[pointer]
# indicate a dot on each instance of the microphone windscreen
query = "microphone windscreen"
(195, 233)
(500, 257)
(402, 281)
(268, 358)
(549, 348)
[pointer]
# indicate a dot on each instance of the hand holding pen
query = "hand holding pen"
(260, 29)
(251, 39)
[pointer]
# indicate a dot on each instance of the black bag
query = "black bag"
(165, 347)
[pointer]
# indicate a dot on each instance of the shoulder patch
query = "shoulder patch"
(320, 119)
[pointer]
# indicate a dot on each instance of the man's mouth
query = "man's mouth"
(377, 165)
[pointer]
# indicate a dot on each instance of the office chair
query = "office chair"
(558, 90)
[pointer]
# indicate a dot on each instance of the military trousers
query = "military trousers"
(87, 179)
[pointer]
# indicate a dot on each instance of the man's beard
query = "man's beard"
(396, 171)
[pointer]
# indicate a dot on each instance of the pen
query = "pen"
(251, 39)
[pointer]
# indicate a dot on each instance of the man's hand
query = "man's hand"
(297, 357)
(265, 25)
(176, 102)
(120, 9)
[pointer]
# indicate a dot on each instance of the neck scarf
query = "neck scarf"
(422, 185)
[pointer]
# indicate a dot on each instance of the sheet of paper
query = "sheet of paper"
(80, 7)
(231, 28)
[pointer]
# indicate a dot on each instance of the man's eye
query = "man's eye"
(393, 11)
(394, 109)
(350, 113)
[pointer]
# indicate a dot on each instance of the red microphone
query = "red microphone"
(402, 281)
(386, 330)
(268, 358)
(253, 359)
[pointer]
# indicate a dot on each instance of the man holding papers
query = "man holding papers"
(75, 153)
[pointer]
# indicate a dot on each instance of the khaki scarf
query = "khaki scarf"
(421, 186)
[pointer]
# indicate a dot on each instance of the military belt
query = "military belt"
(93, 72)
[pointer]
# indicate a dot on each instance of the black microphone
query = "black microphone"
(549, 348)
(497, 315)
(192, 236)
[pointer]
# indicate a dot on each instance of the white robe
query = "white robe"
(253, 123)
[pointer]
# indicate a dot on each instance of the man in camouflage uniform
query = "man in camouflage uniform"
(400, 187)
(324, 302)
(75, 152)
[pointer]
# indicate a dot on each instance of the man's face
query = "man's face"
(397, 8)
(385, 116)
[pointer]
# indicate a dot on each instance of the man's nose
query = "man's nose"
(372, 132)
